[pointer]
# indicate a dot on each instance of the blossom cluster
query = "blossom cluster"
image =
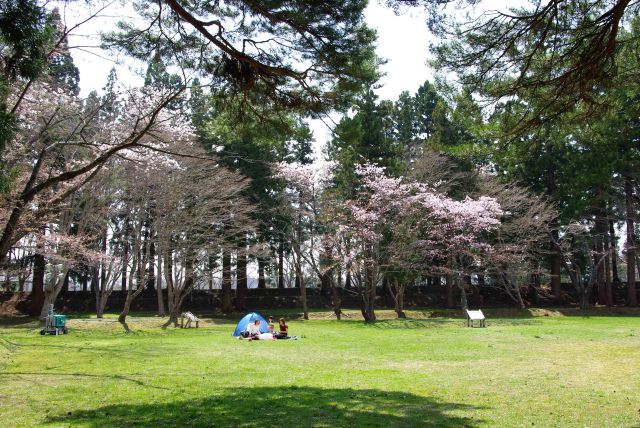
(306, 178)
(411, 216)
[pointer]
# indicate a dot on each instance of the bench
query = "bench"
(475, 316)
(190, 318)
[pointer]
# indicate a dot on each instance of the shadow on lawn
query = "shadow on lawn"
(18, 322)
(281, 406)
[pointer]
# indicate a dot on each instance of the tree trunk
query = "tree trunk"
(520, 301)
(51, 292)
(159, 295)
(326, 271)
(584, 299)
(125, 259)
(21, 281)
(400, 303)
(298, 280)
(607, 281)
(262, 283)
(227, 307)
(168, 276)
(325, 282)
(512, 288)
(50, 296)
(336, 301)
(37, 285)
(532, 292)
(138, 265)
(100, 305)
(174, 315)
(7, 239)
(122, 318)
(95, 286)
(614, 253)
(463, 293)
(103, 274)
(179, 292)
(95, 278)
(65, 284)
(601, 233)
(241, 282)
(555, 258)
(556, 262)
(450, 295)
(397, 293)
(607, 267)
(632, 299)
(303, 288)
(102, 295)
(281, 265)
(151, 278)
(370, 291)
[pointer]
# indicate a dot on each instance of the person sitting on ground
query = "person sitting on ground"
(253, 330)
(270, 325)
(284, 329)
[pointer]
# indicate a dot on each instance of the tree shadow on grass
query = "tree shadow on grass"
(282, 407)
(19, 322)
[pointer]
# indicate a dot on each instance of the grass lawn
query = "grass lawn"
(522, 370)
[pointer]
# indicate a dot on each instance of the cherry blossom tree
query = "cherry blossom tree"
(199, 207)
(61, 145)
(64, 252)
(307, 199)
(520, 242)
(111, 268)
(397, 222)
(574, 241)
(184, 204)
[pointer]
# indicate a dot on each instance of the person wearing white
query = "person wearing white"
(254, 329)
(266, 336)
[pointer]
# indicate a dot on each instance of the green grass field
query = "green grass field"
(522, 370)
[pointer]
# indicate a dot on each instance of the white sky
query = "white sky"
(403, 42)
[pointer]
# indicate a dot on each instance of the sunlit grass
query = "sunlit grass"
(533, 368)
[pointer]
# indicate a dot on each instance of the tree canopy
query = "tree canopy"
(274, 55)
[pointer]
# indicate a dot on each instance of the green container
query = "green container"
(59, 321)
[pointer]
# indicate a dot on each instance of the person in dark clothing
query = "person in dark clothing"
(283, 330)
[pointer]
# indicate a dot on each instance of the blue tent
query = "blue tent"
(250, 319)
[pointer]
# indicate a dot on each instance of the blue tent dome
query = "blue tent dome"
(250, 319)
